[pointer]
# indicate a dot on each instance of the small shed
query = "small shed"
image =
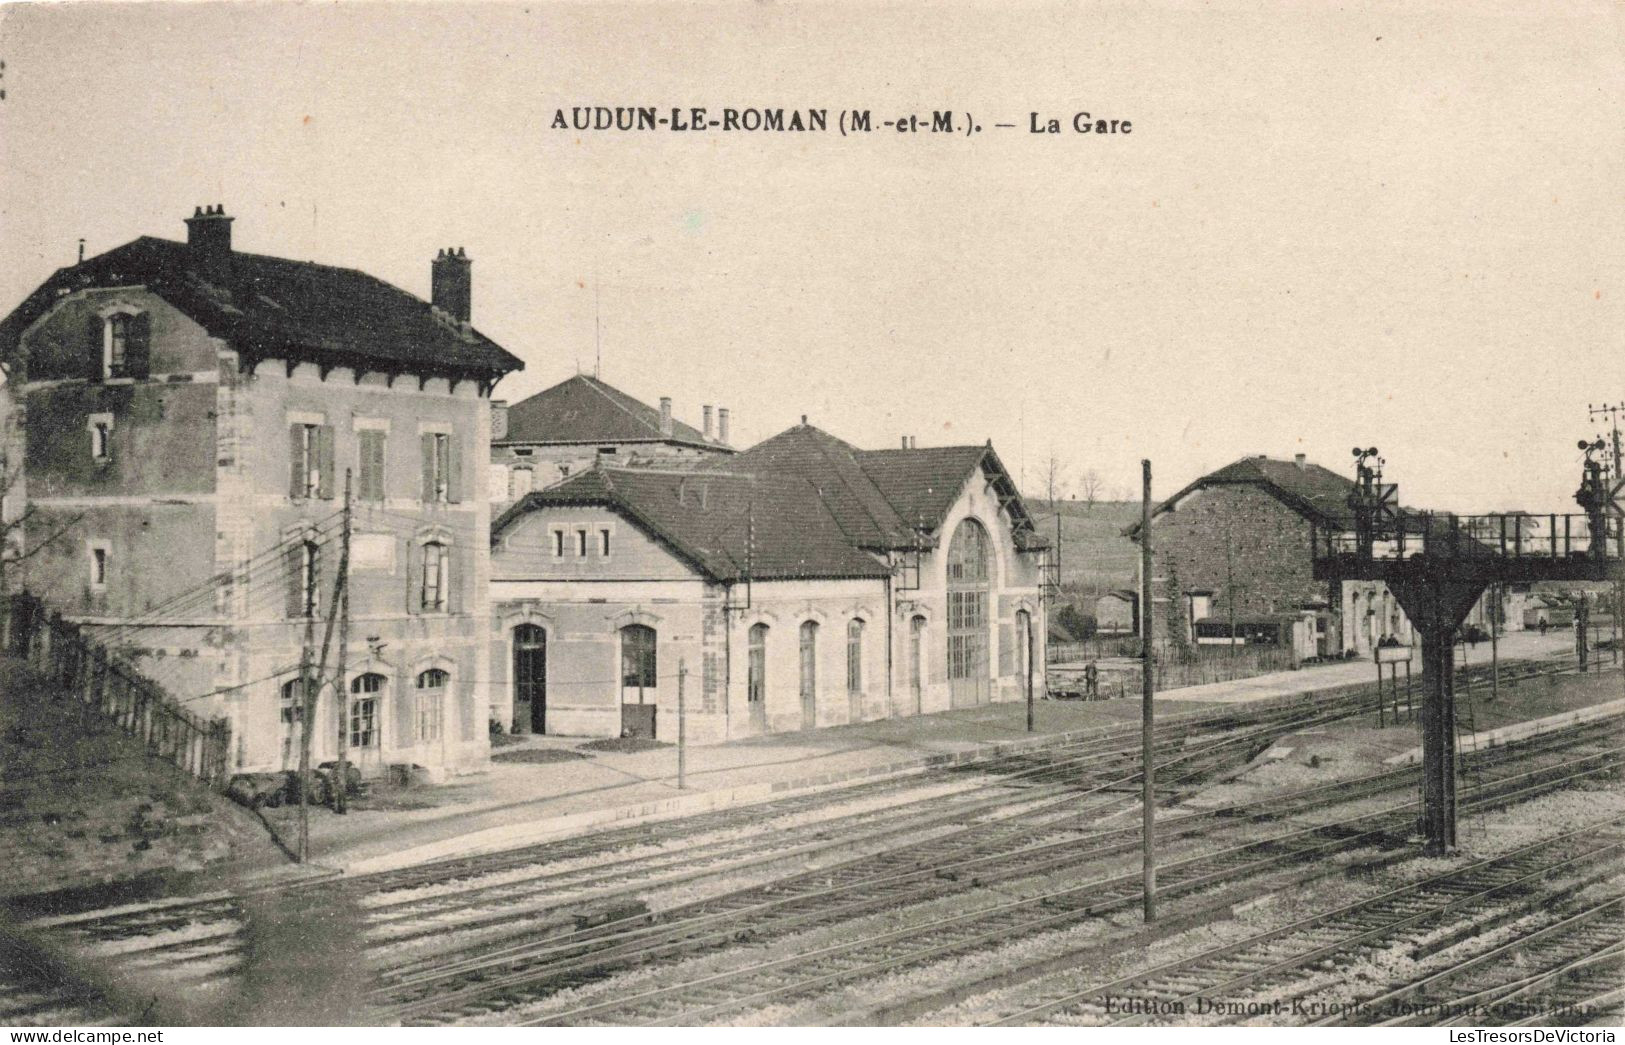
(1118, 613)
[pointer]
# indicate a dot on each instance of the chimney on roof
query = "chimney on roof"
(705, 412)
(499, 419)
(1301, 461)
(905, 442)
(665, 416)
(208, 238)
(451, 284)
(722, 425)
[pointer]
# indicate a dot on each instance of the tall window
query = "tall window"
(558, 544)
(603, 543)
(98, 567)
(1024, 630)
(581, 544)
(436, 579)
(968, 587)
(916, 656)
(809, 658)
(292, 714)
(854, 656)
(638, 657)
(370, 486)
(365, 693)
(440, 468)
(310, 460)
(119, 344)
(756, 673)
(431, 702)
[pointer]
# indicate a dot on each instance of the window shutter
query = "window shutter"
(454, 471)
(324, 460)
(95, 332)
(372, 466)
(427, 441)
(138, 346)
(296, 461)
(294, 560)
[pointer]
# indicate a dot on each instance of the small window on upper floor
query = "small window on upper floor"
(101, 437)
(558, 544)
(121, 344)
(442, 469)
(603, 543)
(581, 544)
(98, 567)
(606, 450)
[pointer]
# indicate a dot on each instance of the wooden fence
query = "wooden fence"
(62, 653)
(1121, 677)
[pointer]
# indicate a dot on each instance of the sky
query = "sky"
(1330, 226)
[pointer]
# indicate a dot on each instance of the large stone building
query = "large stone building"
(1234, 546)
(583, 422)
(800, 583)
(190, 412)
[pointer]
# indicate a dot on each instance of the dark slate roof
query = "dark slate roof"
(885, 499)
(831, 466)
(282, 309)
(922, 484)
(1318, 494)
(586, 410)
(731, 527)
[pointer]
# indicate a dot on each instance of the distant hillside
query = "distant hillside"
(1095, 556)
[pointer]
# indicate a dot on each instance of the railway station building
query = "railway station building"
(582, 422)
(801, 583)
(1234, 546)
(188, 414)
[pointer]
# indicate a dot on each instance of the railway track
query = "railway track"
(764, 917)
(1007, 783)
(1031, 801)
(1256, 976)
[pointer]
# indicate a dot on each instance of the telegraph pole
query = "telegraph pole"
(1612, 412)
(341, 794)
(307, 701)
(682, 727)
(1147, 690)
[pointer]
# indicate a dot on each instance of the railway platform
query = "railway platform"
(543, 788)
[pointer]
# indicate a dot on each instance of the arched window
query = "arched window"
(916, 659)
(809, 659)
(292, 715)
(756, 673)
(430, 700)
(365, 693)
(638, 667)
(968, 586)
(854, 656)
(1024, 638)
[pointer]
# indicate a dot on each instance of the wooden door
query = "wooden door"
(530, 674)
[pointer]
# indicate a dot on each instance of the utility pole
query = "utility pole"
(309, 575)
(340, 599)
(682, 727)
(1028, 660)
(1147, 689)
(1495, 649)
(341, 793)
(1612, 412)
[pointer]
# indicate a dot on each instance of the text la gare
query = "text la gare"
(1082, 123)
